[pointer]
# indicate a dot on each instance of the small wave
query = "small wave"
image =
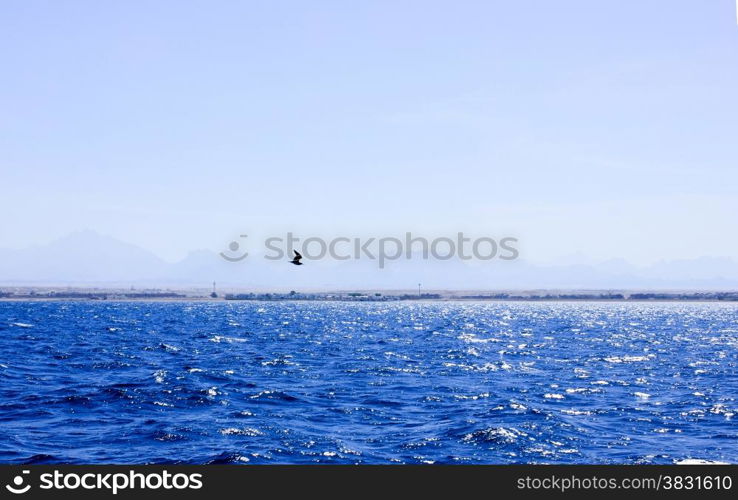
(168, 436)
(219, 338)
(473, 339)
(629, 359)
(576, 412)
(228, 458)
(493, 435)
(486, 367)
(553, 396)
(22, 325)
(246, 431)
(577, 390)
(721, 409)
(283, 396)
(41, 458)
(473, 397)
(278, 362)
(77, 400)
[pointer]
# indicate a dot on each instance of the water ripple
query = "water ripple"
(463, 382)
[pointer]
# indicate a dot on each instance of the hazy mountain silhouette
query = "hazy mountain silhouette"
(89, 258)
(84, 256)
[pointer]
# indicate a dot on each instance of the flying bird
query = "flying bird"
(296, 260)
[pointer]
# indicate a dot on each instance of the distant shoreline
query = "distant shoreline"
(369, 300)
(192, 294)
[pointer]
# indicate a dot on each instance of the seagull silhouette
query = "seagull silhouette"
(296, 260)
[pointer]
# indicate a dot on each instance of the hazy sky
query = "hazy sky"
(598, 128)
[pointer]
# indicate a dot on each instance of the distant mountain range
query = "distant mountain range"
(89, 258)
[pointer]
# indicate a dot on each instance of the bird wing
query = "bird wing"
(297, 255)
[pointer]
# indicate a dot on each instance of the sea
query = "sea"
(307, 382)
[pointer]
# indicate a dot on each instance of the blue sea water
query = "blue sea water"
(340, 382)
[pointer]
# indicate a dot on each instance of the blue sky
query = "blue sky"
(596, 129)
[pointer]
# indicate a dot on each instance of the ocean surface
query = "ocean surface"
(375, 383)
